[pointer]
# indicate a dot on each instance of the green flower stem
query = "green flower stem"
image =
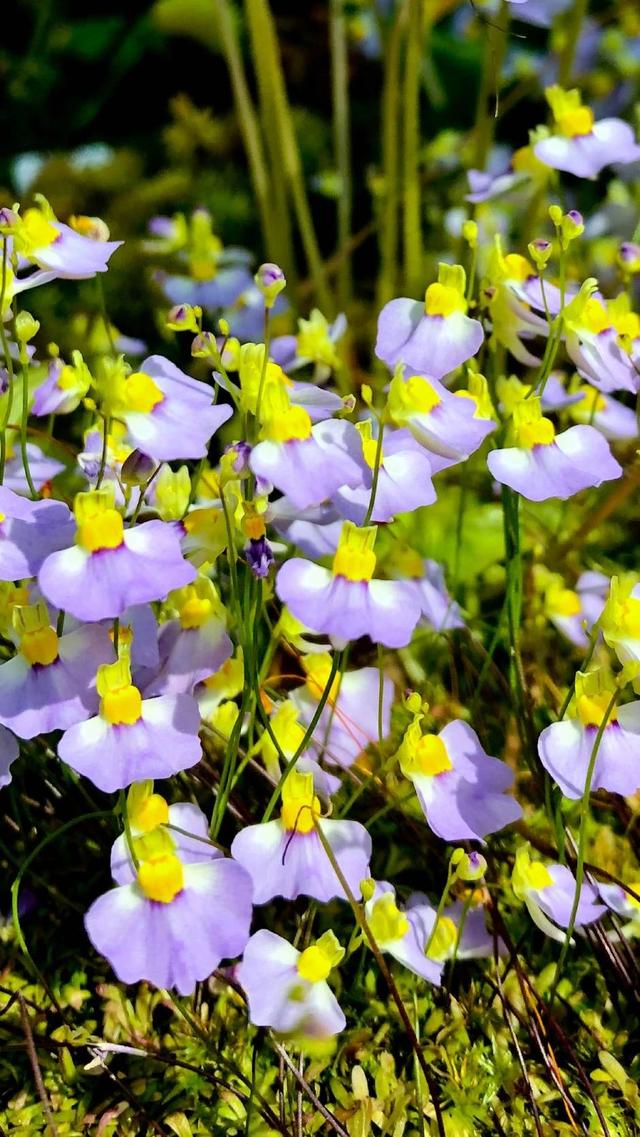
(8, 364)
(23, 423)
(582, 841)
(412, 214)
(336, 665)
(363, 923)
(250, 129)
(342, 144)
(387, 279)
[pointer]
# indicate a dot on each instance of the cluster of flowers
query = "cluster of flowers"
(117, 638)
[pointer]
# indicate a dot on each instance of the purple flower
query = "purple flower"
(566, 747)
(175, 922)
(613, 419)
(461, 789)
(111, 568)
(449, 426)
(346, 602)
(168, 414)
(349, 721)
(403, 934)
(593, 331)
(60, 250)
(404, 479)
(542, 465)
(132, 739)
(308, 463)
(287, 989)
(194, 644)
(286, 857)
(580, 145)
(29, 532)
(50, 683)
(315, 531)
(434, 337)
(549, 894)
(9, 751)
(63, 389)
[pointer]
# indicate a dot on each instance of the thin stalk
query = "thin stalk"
(412, 215)
(342, 144)
(486, 117)
(387, 280)
(308, 735)
(23, 424)
(249, 128)
(376, 474)
(363, 923)
(8, 363)
(582, 840)
(572, 30)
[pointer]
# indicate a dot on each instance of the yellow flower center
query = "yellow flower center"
(34, 231)
(431, 756)
(40, 646)
(591, 401)
(369, 451)
(195, 612)
(354, 557)
(354, 564)
(387, 923)
(102, 531)
(152, 812)
(576, 123)
(595, 316)
(540, 432)
(122, 707)
(161, 878)
(592, 709)
(314, 964)
(442, 300)
(518, 267)
(300, 806)
(141, 394)
(293, 424)
(121, 702)
(444, 939)
(563, 602)
(318, 669)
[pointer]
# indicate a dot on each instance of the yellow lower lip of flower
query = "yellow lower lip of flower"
(313, 964)
(538, 876)
(161, 878)
(300, 806)
(105, 530)
(431, 757)
(541, 432)
(195, 612)
(576, 123)
(40, 646)
(595, 316)
(292, 425)
(152, 812)
(442, 300)
(34, 232)
(386, 922)
(141, 393)
(444, 939)
(592, 709)
(122, 707)
(564, 602)
(355, 564)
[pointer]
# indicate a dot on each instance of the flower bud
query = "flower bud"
(470, 866)
(205, 346)
(184, 318)
(367, 889)
(137, 468)
(540, 250)
(259, 556)
(239, 453)
(572, 226)
(470, 233)
(8, 219)
(555, 213)
(629, 256)
(26, 326)
(270, 279)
